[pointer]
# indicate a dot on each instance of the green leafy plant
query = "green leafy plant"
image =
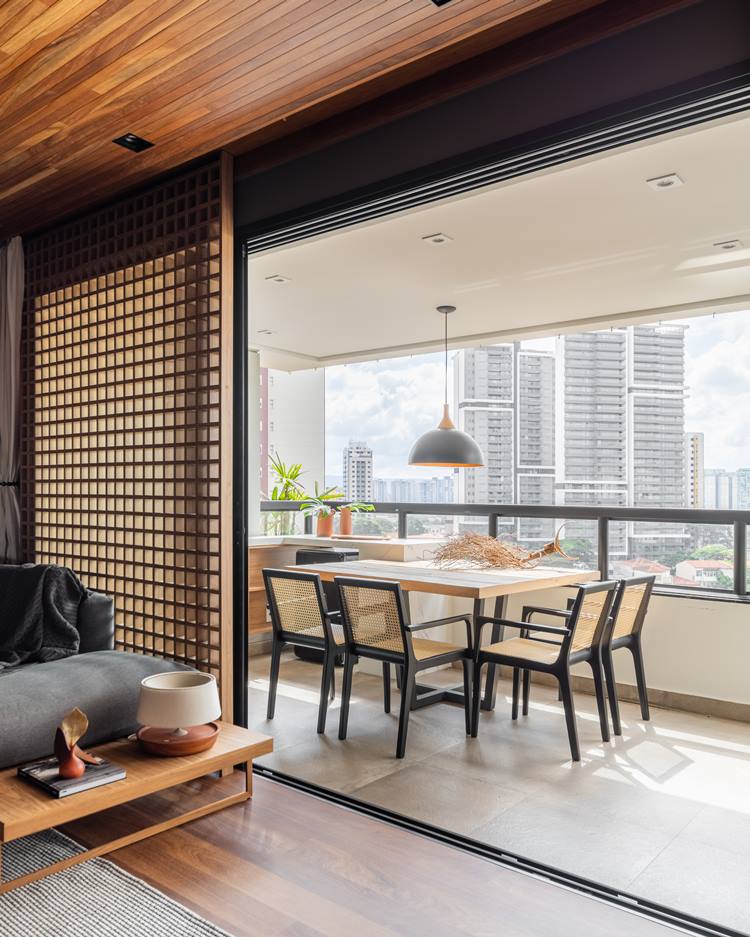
(358, 507)
(316, 503)
(286, 487)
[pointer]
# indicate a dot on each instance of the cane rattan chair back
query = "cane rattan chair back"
(631, 604)
(300, 618)
(296, 603)
(590, 614)
(374, 615)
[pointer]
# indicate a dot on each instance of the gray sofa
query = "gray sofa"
(100, 681)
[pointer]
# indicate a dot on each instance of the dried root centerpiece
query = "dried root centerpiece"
(485, 552)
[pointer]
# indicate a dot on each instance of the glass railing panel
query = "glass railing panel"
(442, 526)
(371, 524)
(278, 523)
(697, 556)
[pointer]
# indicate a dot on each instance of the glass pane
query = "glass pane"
(687, 555)
(436, 526)
(368, 523)
(277, 523)
(578, 539)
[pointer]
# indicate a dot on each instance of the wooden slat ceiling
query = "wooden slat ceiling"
(193, 76)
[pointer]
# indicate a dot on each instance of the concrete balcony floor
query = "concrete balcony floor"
(661, 812)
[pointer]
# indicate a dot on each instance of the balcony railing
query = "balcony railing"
(496, 514)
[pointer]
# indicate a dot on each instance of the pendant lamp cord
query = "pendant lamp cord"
(446, 358)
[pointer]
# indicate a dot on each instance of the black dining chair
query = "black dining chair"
(628, 616)
(377, 626)
(624, 628)
(577, 642)
(300, 617)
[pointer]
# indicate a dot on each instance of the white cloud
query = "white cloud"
(388, 403)
(718, 377)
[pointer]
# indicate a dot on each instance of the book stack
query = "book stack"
(45, 774)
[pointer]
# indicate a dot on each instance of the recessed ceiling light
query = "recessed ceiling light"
(132, 142)
(438, 238)
(277, 278)
(670, 181)
(728, 245)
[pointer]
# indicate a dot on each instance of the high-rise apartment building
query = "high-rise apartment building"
(357, 471)
(656, 434)
(436, 490)
(617, 398)
(485, 409)
(720, 489)
(694, 470)
(742, 489)
(592, 448)
(505, 399)
(292, 423)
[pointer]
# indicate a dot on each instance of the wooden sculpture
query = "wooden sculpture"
(71, 760)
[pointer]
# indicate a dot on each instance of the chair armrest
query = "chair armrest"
(529, 610)
(483, 620)
(439, 621)
(445, 621)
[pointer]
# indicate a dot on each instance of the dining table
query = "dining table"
(479, 585)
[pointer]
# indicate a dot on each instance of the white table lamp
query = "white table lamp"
(176, 711)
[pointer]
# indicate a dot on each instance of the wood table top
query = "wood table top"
(422, 576)
(26, 809)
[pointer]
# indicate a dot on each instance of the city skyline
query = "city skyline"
(408, 394)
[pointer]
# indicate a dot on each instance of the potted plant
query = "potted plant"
(316, 505)
(346, 512)
(287, 487)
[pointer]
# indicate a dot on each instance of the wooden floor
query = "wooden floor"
(288, 863)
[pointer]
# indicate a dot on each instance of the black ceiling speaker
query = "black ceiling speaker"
(440, 3)
(132, 142)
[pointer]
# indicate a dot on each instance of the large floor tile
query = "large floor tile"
(570, 838)
(450, 801)
(700, 880)
(723, 829)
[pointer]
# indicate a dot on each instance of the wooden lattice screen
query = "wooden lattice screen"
(125, 474)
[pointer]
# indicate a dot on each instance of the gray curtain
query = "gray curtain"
(11, 303)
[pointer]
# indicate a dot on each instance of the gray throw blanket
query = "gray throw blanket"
(38, 614)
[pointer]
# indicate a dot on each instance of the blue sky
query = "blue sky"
(389, 403)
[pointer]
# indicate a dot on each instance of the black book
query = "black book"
(45, 775)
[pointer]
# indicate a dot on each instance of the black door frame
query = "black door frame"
(621, 125)
(560, 145)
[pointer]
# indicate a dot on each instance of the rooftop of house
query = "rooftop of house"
(642, 565)
(706, 564)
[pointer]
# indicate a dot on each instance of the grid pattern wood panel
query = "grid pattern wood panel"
(122, 472)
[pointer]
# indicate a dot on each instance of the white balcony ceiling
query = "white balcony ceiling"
(586, 245)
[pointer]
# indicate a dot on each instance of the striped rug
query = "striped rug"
(95, 899)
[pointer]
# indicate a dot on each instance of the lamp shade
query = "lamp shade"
(446, 446)
(177, 700)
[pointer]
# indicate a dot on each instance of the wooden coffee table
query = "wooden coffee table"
(25, 809)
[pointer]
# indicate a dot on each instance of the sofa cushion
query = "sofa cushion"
(104, 684)
(96, 623)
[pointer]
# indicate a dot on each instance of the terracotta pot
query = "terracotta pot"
(345, 521)
(324, 526)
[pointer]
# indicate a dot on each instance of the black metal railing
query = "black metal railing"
(603, 516)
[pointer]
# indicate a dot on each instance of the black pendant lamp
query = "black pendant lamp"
(446, 446)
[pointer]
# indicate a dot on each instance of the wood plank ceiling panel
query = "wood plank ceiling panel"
(192, 76)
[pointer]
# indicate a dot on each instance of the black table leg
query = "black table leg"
(490, 686)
